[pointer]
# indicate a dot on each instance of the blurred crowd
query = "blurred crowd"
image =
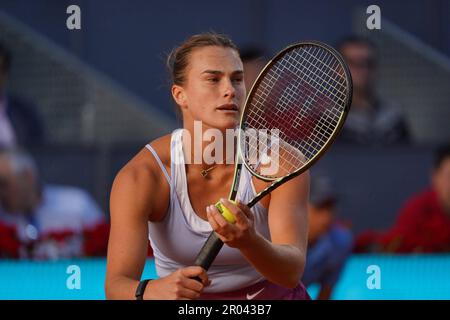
(45, 221)
(39, 220)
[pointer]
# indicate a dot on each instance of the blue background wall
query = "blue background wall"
(129, 40)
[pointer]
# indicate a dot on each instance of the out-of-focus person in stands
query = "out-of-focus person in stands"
(372, 120)
(43, 221)
(423, 223)
(20, 124)
(329, 242)
(253, 60)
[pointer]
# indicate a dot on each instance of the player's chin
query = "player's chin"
(227, 121)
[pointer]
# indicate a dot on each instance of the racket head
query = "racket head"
(305, 93)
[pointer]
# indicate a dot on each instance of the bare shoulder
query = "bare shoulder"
(144, 166)
(162, 148)
(140, 184)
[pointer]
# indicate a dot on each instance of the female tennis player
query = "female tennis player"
(161, 196)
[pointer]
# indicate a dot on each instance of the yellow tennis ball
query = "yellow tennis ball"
(225, 212)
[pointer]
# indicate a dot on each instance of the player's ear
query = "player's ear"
(179, 95)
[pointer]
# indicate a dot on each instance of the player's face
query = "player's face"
(441, 183)
(214, 91)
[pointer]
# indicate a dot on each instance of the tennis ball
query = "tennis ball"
(225, 212)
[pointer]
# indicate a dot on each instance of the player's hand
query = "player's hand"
(178, 285)
(235, 235)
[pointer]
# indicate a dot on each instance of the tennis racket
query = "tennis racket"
(293, 113)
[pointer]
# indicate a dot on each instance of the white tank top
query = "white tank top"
(177, 239)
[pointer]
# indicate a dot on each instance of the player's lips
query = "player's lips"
(229, 107)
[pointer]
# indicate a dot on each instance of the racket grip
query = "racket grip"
(212, 246)
(209, 251)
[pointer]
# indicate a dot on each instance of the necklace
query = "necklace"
(205, 172)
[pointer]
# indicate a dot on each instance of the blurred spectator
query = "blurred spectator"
(329, 243)
(20, 125)
(45, 221)
(372, 120)
(254, 60)
(423, 224)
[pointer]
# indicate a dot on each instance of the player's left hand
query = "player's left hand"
(238, 234)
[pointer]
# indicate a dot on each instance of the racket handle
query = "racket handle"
(209, 251)
(212, 246)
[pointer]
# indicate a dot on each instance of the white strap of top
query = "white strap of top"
(163, 168)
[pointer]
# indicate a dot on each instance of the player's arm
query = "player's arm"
(281, 260)
(135, 199)
(130, 207)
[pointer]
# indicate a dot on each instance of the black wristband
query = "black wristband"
(141, 289)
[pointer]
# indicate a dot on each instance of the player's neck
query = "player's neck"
(204, 149)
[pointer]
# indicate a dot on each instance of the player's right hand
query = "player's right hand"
(178, 285)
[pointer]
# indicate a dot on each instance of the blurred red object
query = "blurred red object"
(422, 226)
(367, 241)
(9, 242)
(96, 240)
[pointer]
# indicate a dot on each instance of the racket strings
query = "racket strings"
(303, 97)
